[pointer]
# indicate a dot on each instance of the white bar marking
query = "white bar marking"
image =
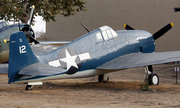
(84, 56)
(54, 63)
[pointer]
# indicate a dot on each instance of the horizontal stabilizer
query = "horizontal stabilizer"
(39, 69)
(41, 49)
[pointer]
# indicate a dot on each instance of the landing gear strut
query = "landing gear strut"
(104, 77)
(150, 77)
(29, 87)
(100, 78)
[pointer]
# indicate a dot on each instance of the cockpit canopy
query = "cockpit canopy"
(3, 24)
(102, 34)
(108, 32)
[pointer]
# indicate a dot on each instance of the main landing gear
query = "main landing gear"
(104, 77)
(150, 77)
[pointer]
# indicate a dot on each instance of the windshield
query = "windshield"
(3, 24)
(108, 32)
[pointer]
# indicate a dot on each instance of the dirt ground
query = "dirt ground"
(122, 91)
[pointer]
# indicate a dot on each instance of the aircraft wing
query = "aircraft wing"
(3, 68)
(58, 43)
(141, 59)
(39, 69)
(41, 49)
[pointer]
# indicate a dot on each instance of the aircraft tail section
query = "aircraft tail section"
(20, 55)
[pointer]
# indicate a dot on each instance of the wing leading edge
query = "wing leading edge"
(141, 59)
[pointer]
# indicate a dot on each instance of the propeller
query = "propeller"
(127, 27)
(27, 29)
(34, 40)
(31, 16)
(156, 35)
(162, 31)
(29, 33)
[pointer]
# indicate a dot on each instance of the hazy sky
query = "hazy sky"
(40, 25)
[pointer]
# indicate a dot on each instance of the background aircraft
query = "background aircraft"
(6, 30)
(97, 53)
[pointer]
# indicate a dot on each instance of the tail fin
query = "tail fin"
(20, 55)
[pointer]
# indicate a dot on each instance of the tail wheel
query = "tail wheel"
(153, 79)
(29, 87)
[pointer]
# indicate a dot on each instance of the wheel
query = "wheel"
(100, 78)
(153, 79)
(29, 87)
(103, 78)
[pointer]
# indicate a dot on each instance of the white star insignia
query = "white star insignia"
(70, 60)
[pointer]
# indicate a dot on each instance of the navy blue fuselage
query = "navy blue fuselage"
(104, 45)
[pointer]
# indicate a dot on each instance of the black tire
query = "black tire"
(153, 79)
(100, 78)
(29, 87)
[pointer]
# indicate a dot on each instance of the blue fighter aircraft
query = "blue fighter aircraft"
(99, 52)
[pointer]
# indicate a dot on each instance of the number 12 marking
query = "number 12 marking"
(22, 49)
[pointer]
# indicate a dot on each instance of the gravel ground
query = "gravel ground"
(122, 90)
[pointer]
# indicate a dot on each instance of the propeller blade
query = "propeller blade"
(31, 16)
(163, 31)
(29, 34)
(85, 27)
(34, 40)
(19, 25)
(176, 9)
(127, 27)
